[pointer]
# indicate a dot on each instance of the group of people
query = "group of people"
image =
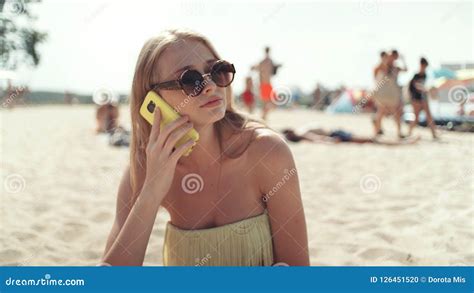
(387, 93)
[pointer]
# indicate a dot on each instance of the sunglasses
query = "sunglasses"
(192, 82)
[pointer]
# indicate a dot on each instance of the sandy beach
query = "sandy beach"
(365, 205)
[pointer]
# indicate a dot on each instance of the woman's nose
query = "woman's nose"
(209, 85)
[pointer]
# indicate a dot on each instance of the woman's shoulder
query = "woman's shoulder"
(268, 146)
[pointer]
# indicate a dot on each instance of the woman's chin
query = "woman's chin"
(214, 114)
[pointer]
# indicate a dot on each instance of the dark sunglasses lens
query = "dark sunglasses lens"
(192, 82)
(223, 74)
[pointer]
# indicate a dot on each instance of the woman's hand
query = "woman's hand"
(133, 225)
(161, 155)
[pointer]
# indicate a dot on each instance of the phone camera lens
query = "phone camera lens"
(151, 107)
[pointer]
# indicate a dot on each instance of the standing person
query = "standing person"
(221, 187)
(317, 97)
(248, 96)
(419, 98)
(266, 70)
(383, 64)
(380, 71)
(394, 70)
(387, 93)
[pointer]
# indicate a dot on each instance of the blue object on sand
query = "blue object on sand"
(342, 105)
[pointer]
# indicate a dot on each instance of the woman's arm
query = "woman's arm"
(376, 70)
(129, 245)
(134, 219)
(404, 67)
(278, 179)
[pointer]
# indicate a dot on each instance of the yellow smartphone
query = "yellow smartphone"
(168, 115)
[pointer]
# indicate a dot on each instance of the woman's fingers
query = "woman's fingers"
(166, 131)
(175, 136)
(155, 128)
(178, 152)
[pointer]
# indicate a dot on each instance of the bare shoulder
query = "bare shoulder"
(270, 148)
(266, 140)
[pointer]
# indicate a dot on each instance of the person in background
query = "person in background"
(394, 70)
(266, 69)
(419, 98)
(387, 93)
(379, 72)
(107, 118)
(318, 135)
(247, 96)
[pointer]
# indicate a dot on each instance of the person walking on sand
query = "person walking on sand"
(379, 72)
(394, 70)
(419, 98)
(266, 69)
(387, 93)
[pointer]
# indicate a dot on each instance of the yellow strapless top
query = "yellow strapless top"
(243, 243)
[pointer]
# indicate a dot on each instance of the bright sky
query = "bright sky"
(94, 44)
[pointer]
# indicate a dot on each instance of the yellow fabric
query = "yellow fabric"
(244, 243)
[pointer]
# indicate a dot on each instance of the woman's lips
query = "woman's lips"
(212, 103)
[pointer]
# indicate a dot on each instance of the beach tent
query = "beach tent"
(344, 104)
(444, 72)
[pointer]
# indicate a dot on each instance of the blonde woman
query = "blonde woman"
(246, 209)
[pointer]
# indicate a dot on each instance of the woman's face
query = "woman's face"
(191, 54)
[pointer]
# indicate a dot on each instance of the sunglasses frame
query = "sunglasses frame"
(178, 83)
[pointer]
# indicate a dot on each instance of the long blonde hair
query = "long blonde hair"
(144, 71)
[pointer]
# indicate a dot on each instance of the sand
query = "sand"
(364, 204)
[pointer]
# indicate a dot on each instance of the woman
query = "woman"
(386, 92)
(419, 98)
(235, 163)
